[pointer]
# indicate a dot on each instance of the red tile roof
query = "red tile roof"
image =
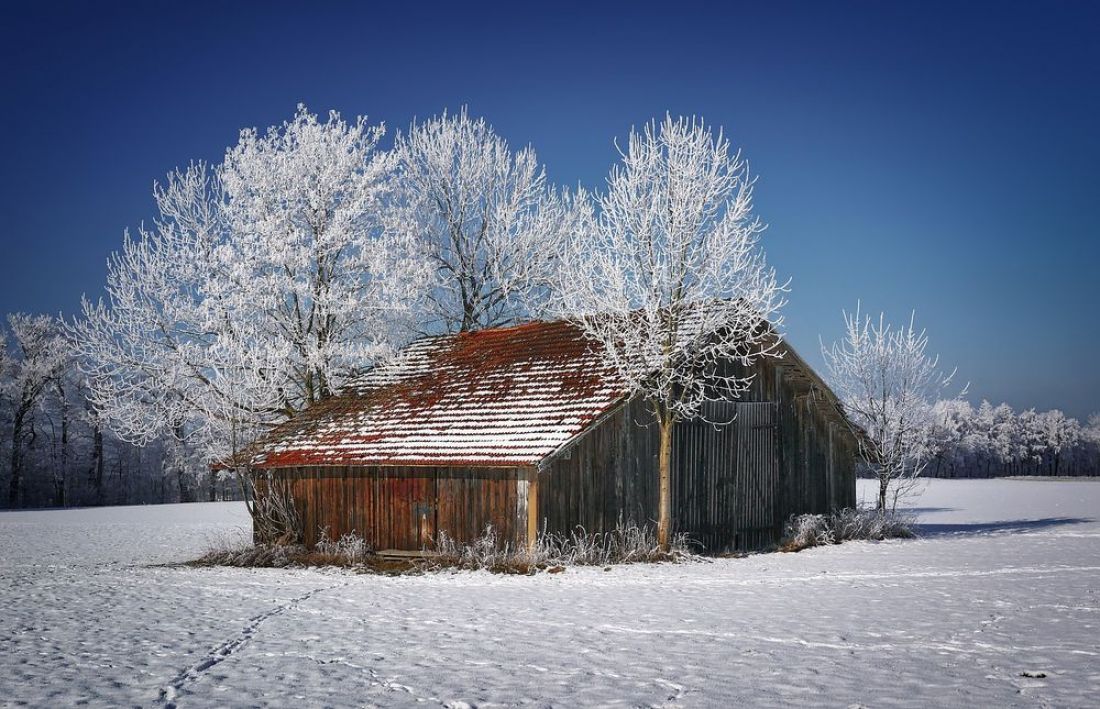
(499, 397)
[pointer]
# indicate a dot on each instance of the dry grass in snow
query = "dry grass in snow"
(847, 525)
(626, 544)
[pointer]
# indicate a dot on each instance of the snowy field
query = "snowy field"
(1004, 584)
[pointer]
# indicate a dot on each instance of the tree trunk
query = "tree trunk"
(122, 497)
(61, 477)
(15, 486)
(664, 468)
(184, 493)
(16, 465)
(883, 486)
(97, 464)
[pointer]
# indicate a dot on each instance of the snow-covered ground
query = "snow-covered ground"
(1004, 584)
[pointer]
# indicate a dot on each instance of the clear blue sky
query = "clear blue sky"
(937, 157)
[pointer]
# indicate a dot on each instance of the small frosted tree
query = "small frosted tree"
(265, 282)
(889, 385)
(481, 215)
(1031, 442)
(668, 277)
(1090, 442)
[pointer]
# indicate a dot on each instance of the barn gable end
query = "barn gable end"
(783, 449)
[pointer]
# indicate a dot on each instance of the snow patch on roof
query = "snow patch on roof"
(498, 397)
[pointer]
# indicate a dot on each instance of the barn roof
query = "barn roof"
(498, 397)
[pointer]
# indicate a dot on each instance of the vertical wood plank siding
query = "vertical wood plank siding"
(733, 485)
(727, 493)
(607, 475)
(407, 507)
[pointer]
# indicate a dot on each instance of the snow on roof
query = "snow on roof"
(498, 397)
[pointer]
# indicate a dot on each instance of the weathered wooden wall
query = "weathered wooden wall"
(738, 472)
(606, 475)
(407, 507)
(783, 450)
(726, 486)
(817, 451)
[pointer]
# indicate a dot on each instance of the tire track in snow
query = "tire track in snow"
(225, 650)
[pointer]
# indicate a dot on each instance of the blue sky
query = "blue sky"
(941, 157)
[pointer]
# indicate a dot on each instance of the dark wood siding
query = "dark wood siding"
(739, 471)
(783, 449)
(817, 452)
(608, 474)
(407, 507)
(726, 491)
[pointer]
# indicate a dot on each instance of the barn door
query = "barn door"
(404, 508)
(425, 510)
(726, 478)
(757, 466)
(703, 484)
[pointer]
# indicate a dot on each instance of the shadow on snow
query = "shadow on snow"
(1004, 526)
(926, 510)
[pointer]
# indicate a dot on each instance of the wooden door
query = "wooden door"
(757, 474)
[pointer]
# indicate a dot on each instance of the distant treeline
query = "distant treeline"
(995, 441)
(55, 451)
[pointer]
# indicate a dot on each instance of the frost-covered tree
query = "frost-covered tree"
(889, 385)
(265, 282)
(60, 450)
(1090, 442)
(1060, 435)
(951, 423)
(992, 432)
(1092, 429)
(61, 413)
(40, 354)
(1029, 439)
(483, 217)
(669, 278)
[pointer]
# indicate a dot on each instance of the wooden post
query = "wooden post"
(532, 508)
(664, 482)
(830, 472)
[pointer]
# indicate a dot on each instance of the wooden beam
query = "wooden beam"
(532, 508)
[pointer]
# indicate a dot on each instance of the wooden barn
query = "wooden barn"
(524, 429)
